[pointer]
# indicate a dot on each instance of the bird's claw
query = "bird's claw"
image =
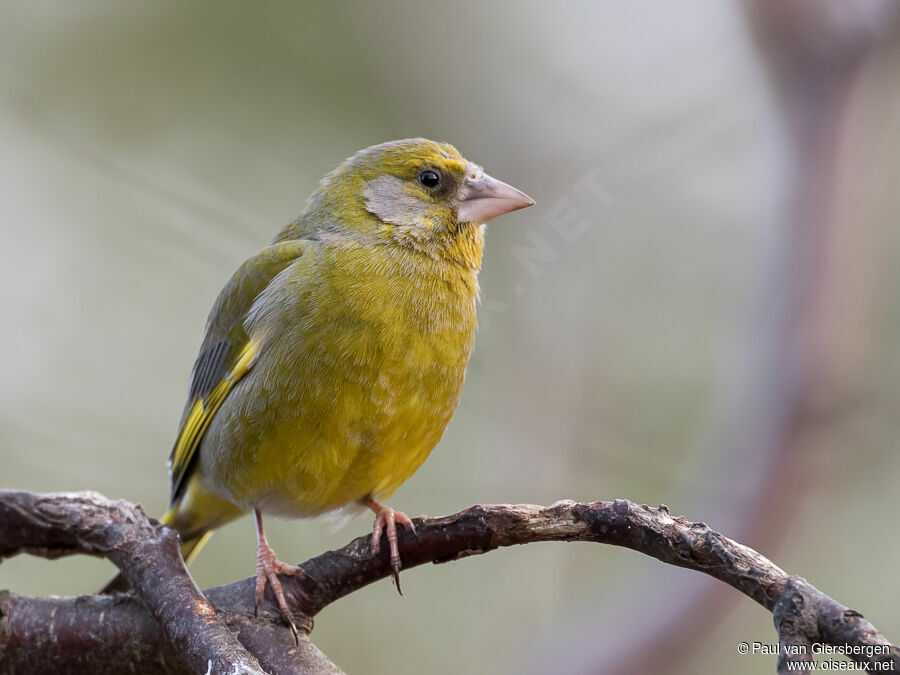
(268, 567)
(386, 520)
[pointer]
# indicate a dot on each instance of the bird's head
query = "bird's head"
(414, 192)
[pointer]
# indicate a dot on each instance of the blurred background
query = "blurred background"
(702, 310)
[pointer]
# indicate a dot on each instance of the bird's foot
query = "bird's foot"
(268, 567)
(386, 520)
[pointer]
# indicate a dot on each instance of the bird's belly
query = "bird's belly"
(325, 468)
(330, 432)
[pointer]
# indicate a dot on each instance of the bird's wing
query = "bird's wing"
(226, 355)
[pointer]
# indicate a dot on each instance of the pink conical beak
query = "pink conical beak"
(485, 198)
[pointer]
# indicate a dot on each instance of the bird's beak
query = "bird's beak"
(483, 198)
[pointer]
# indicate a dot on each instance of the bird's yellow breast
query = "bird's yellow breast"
(364, 353)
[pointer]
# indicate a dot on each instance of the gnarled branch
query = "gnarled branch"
(55, 525)
(66, 631)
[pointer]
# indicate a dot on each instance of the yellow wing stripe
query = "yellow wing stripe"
(202, 411)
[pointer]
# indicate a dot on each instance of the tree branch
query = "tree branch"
(147, 553)
(102, 624)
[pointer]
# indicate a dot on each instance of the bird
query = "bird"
(334, 358)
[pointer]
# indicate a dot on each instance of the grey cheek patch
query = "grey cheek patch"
(387, 198)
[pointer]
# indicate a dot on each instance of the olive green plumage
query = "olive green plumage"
(334, 358)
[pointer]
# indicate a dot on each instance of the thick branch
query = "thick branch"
(105, 634)
(802, 613)
(147, 553)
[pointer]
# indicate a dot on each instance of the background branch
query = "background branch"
(113, 633)
(807, 373)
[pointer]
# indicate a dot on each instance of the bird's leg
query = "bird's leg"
(386, 519)
(268, 567)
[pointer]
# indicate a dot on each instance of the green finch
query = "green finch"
(334, 358)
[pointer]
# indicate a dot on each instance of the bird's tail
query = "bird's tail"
(191, 547)
(195, 517)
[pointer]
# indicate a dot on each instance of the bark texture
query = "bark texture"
(169, 626)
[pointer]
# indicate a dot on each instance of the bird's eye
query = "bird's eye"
(429, 178)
